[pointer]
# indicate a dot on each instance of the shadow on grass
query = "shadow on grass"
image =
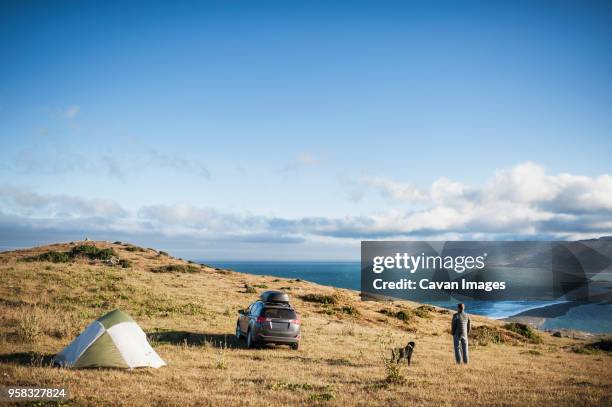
(195, 339)
(27, 359)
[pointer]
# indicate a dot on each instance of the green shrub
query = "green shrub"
(604, 344)
(125, 263)
(320, 298)
(424, 311)
(134, 249)
(249, 289)
(586, 350)
(393, 369)
(176, 268)
(81, 251)
(162, 253)
(92, 252)
(483, 335)
(403, 314)
(525, 331)
(594, 348)
(394, 373)
(52, 256)
(350, 310)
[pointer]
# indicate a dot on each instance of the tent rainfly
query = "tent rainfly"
(113, 340)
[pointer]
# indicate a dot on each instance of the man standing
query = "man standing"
(460, 328)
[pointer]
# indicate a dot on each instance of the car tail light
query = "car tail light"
(296, 321)
(262, 319)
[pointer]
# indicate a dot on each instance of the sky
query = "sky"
(294, 130)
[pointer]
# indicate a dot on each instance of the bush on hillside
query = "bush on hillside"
(484, 335)
(349, 310)
(320, 299)
(525, 331)
(403, 314)
(594, 348)
(176, 268)
(52, 256)
(424, 311)
(125, 263)
(604, 344)
(134, 249)
(91, 252)
(81, 251)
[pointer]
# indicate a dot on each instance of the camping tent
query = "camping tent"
(113, 340)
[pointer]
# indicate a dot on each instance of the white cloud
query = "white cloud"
(58, 207)
(398, 191)
(520, 202)
(441, 190)
(523, 200)
(525, 183)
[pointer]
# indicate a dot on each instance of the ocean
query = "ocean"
(596, 318)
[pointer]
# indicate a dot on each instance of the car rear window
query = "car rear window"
(280, 313)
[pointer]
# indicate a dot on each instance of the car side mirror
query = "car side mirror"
(241, 312)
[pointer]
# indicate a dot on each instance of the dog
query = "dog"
(398, 354)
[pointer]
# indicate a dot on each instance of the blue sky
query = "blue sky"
(292, 130)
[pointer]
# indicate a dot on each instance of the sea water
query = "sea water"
(343, 274)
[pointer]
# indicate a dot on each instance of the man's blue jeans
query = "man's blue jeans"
(461, 349)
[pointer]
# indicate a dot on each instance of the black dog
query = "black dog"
(398, 354)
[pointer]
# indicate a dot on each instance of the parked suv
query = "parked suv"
(271, 319)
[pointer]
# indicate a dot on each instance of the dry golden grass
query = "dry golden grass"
(191, 316)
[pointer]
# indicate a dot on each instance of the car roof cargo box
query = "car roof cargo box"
(274, 296)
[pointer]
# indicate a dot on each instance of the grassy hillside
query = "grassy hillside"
(49, 294)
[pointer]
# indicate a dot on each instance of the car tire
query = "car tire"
(238, 333)
(250, 343)
(295, 346)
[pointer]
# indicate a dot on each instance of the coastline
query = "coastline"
(543, 315)
(572, 316)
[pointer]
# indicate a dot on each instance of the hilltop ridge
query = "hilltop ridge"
(49, 294)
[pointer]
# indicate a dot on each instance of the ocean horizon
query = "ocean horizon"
(346, 274)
